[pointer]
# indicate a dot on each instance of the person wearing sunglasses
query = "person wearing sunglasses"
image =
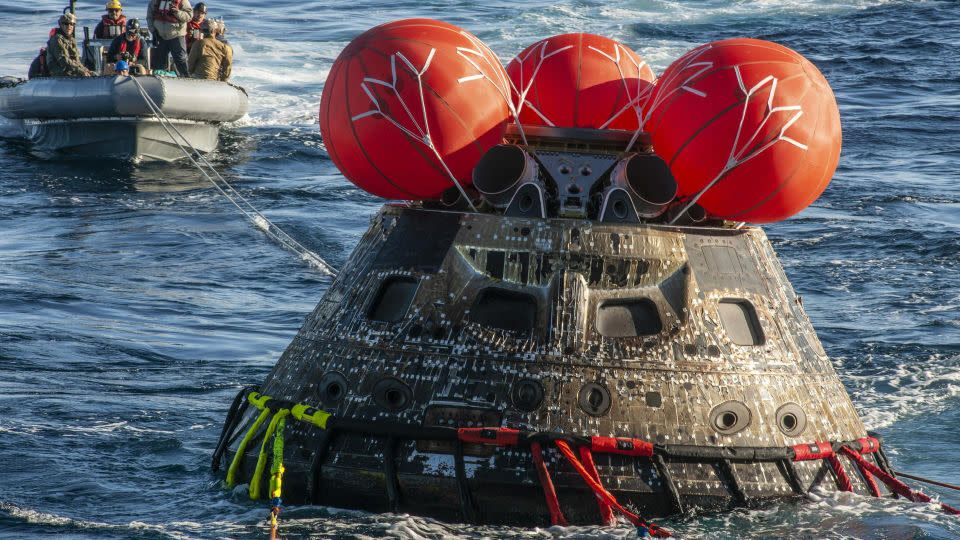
(112, 24)
(63, 55)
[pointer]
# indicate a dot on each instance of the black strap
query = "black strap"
(234, 414)
(664, 473)
(314, 493)
(467, 510)
(790, 473)
(390, 473)
(732, 481)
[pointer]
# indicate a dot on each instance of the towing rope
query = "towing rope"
(227, 190)
(785, 457)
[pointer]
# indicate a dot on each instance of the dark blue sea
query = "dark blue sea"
(135, 300)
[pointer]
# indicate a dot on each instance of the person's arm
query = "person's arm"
(71, 67)
(227, 66)
(153, 31)
(114, 49)
(193, 58)
(185, 13)
(98, 30)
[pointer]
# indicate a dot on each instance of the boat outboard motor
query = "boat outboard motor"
(502, 171)
(641, 187)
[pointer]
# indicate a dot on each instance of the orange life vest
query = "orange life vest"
(44, 71)
(113, 27)
(193, 32)
(164, 8)
(137, 43)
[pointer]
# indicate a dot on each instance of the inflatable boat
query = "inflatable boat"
(109, 116)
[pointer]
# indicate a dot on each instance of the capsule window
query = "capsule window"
(506, 310)
(393, 299)
(740, 321)
(629, 319)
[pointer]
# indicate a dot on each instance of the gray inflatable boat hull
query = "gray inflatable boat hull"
(108, 117)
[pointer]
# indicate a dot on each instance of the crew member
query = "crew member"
(122, 68)
(130, 47)
(222, 30)
(194, 33)
(210, 58)
(168, 20)
(113, 23)
(63, 55)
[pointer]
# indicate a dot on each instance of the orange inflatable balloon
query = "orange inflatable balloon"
(411, 104)
(580, 80)
(749, 126)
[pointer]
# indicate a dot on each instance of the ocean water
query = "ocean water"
(135, 300)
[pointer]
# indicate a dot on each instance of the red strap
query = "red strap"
(606, 513)
(556, 515)
(622, 446)
(871, 481)
(843, 481)
(494, 436)
(894, 483)
(606, 495)
(868, 445)
(811, 451)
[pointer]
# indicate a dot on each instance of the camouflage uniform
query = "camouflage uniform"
(63, 57)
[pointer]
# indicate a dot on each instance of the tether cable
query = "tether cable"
(234, 196)
(926, 480)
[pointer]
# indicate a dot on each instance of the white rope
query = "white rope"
(234, 196)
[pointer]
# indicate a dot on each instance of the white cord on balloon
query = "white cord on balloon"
(504, 90)
(668, 81)
(737, 155)
(228, 191)
(522, 93)
(642, 94)
(424, 131)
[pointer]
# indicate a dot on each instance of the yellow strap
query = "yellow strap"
(258, 400)
(262, 459)
(235, 464)
(306, 413)
(276, 469)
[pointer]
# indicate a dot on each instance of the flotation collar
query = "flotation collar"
(565, 443)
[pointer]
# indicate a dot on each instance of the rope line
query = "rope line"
(227, 190)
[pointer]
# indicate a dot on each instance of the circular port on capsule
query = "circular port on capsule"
(791, 419)
(527, 395)
(594, 399)
(730, 417)
(332, 388)
(392, 394)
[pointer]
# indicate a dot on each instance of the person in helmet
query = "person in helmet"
(113, 23)
(167, 20)
(130, 47)
(210, 58)
(122, 68)
(63, 55)
(194, 33)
